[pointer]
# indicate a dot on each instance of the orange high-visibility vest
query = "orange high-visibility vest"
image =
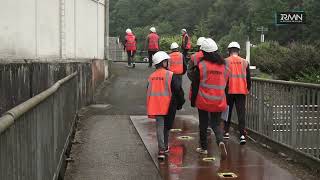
(176, 63)
(238, 75)
(131, 42)
(159, 92)
(183, 41)
(196, 57)
(153, 42)
(211, 95)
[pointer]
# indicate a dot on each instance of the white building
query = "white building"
(60, 29)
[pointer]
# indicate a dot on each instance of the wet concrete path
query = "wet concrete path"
(183, 162)
(108, 146)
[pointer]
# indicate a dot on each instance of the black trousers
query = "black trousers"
(185, 54)
(240, 101)
(131, 56)
(215, 120)
(151, 53)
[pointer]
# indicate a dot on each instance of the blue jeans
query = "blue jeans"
(162, 133)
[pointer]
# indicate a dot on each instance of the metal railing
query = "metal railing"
(287, 113)
(35, 134)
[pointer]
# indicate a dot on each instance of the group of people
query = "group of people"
(151, 44)
(216, 85)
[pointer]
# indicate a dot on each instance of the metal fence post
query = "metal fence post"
(261, 107)
(294, 118)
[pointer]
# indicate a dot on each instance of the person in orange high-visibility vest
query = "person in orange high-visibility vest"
(152, 43)
(208, 94)
(237, 88)
(176, 62)
(186, 43)
(164, 96)
(130, 46)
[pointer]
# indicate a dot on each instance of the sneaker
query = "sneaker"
(129, 65)
(223, 151)
(202, 151)
(226, 136)
(167, 150)
(161, 156)
(209, 131)
(243, 140)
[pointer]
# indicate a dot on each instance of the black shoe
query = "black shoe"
(133, 65)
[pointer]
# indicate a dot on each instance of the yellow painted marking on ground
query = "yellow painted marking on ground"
(228, 175)
(175, 130)
(185, 137)
(209, 159)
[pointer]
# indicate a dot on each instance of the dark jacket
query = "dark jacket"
(177, 92)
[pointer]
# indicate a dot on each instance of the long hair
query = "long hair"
(214, 57)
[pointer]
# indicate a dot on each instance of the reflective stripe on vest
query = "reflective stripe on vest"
(211, 95)
(176, 63)
(166, 91)
(153, 40)
(238, 75)
(159, 92)
(210, 86)
(131, 42)
(196, 57)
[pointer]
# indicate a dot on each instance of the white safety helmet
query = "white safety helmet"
(234, 45)
(183, 30)
(174, 45)
(200, 40)
(128, 31)
(153, 29)
(209, 45)
(159, 56)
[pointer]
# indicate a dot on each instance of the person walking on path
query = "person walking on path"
(177, 64)
(163, 96)
(130, 47)
(195, 58)
(186, 43)
(152, 43)
(238, 87)
(208, 94)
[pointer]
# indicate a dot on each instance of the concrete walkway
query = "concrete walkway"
(107, 145)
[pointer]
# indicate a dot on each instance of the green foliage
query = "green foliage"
(295, 62)
(286, 55)
(268, 56)
(237, 33)
(309, 75)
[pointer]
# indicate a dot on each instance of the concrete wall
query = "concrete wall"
(52, 28)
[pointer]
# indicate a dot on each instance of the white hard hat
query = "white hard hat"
(234, 45)
(174, 45)
(153, 29)
(200, 40)
(159, 56)
(209, 45)
(183, 30)
(128, 31)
